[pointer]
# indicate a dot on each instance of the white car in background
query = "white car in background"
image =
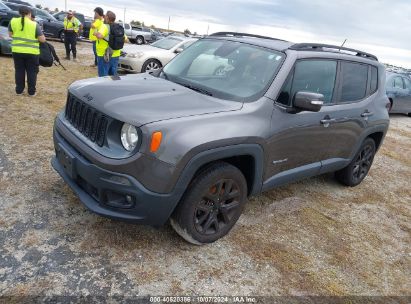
(144, 58)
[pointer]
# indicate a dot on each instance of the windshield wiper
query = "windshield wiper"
(197, 89)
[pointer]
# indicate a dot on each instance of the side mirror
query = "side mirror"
(308, 101)
(178, 50)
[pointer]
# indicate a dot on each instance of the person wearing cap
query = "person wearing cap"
(26, 35)
(95, 26)
(71, 30)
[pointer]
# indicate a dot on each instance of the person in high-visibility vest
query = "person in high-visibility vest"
(101, 46)
(26, 35)
(95, 26)
(71, 30)
(107, 59)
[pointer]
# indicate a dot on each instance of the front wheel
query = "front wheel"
(61, 36)
(357, 170)
(212, 204)
(139, 40)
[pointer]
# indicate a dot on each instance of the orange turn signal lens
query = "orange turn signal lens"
(155, 141)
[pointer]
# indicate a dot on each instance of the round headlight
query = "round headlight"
(129, 137)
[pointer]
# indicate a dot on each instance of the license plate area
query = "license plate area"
(67, 161)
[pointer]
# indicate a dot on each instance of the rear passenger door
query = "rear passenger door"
(350, 111)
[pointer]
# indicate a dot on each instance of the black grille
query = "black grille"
(90, 122)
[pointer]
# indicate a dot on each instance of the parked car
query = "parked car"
(143, 58)
(169, 145)
(137, 36)
(50, 25)
(85, 23)
(19, 2)
(156, 35)
(399, 93)
(5, 41)
(6, 14)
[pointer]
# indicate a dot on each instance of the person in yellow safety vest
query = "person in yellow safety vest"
(71, 30)
(107, 59)
(107, 64)
(95, 26)
(25, 47)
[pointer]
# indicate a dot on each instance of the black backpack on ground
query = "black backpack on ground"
(46, 58)
(116, 37)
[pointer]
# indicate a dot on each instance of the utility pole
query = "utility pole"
(65, 5)
(124, 19)
(168, 28)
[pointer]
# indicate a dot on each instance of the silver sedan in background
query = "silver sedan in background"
(143, 58)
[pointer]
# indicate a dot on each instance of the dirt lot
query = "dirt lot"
(313, 237)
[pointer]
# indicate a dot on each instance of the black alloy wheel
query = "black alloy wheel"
(218, 207)
(357, 170)
(212, 204)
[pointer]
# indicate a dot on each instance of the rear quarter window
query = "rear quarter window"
(374, 80)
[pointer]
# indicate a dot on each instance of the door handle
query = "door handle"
(367, 114)
(327, 121)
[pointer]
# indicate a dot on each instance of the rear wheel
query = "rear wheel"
(151, 65)
(357, 170)
(212, 204)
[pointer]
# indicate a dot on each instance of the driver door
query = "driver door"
(300, 141)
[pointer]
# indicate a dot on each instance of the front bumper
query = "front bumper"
(110, 194)
(132, 65)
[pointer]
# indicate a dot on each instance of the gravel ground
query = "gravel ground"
(313, 237)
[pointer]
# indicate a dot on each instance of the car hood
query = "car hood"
(133, 49)
(142, 99)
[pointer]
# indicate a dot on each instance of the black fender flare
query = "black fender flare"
(205, 157)
(380, 128)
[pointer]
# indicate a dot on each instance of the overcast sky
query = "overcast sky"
(380, 27)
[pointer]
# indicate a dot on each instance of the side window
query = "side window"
(354, 81)
(317, 76)
(374, 79)
(60, 17)
(407, 83)
(127, 26)
(398, 83)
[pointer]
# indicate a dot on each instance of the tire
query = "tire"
(207, 212)
(61, 36)
(151, 65)
(357, 170)
(139, 40)
(409, 114)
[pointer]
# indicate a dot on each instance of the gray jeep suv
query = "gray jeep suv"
(232, 116)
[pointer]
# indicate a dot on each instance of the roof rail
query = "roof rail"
(235, 34)
(325, 47)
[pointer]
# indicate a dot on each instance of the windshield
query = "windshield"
(44, 15)
(167, 43)
(225, 69)
(4, 7)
